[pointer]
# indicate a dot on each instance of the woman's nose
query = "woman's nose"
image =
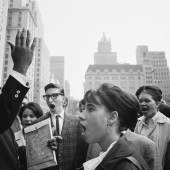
(81, 116)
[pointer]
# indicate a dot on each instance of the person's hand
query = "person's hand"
(53, 143)
(22, 53)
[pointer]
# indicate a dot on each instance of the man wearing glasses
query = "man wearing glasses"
(70, 148)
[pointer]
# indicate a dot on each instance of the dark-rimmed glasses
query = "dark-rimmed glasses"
(53, 96)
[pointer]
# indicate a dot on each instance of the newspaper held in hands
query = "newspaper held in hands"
(39, 155)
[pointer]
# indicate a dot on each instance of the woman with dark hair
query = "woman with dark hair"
(108, 111)
(153, 124)
(30, 112)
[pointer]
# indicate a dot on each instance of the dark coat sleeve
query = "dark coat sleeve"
(11, 98)
(126, 165)
(167, 158)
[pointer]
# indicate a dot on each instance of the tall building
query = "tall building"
(21, 14)
(128, 77)
(42, 71)
(57, 69)
(104, 54)
(155, 68)
(67, 88)
(3, 23)
(107, 70)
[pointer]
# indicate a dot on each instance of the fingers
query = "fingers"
(11, 45)
(28, 39)
(23, 37)
(17, 39)
(33, 44)
(58, 138)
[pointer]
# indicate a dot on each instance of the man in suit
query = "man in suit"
(70, 149)
(11, 98)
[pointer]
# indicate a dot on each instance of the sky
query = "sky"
(72, 28)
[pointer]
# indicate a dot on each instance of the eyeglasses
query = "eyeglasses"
(53, 96)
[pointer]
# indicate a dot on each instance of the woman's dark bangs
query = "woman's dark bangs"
(92, 97)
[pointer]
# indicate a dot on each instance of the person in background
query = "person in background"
(70, 148)
(108, 111)
(153, 124)
(29, 113)
(11, 98)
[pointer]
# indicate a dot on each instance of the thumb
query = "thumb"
(11, 45)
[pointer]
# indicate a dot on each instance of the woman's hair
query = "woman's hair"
(154, 91)
(115, 99)
(35, 107)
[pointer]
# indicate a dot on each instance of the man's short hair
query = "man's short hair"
(52, 85)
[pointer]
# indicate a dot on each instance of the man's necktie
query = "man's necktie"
(57, 125)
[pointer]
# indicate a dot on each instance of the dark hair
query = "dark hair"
(81, 104)
(115, 99)
(52, 85)
(154, 91)
(35, 107)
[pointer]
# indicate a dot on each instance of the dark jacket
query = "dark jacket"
(72, 149)
(116, 159)
(11, 98)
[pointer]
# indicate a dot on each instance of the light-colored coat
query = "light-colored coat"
(160, 133)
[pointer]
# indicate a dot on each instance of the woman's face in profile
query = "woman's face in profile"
(94, 122)
(28, 117)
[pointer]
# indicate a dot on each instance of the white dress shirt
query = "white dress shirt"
(60, 120)
(93, 163)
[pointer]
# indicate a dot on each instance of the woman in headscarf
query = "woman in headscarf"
(108, 111)
(153, 123)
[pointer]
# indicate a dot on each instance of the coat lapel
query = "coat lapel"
(66, 124)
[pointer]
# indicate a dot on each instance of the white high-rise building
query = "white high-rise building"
(128, 77)
(57, 69)
(104, 54)
(155, 68)
(21, 14)
(42, 71)
(3, 23)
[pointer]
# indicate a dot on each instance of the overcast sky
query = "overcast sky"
(72, 28)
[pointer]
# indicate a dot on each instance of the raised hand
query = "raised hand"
(22, 53)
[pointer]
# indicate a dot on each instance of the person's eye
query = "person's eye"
(90, 109)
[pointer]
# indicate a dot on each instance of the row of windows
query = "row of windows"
(113, 77)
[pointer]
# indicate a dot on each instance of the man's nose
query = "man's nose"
(50, 99)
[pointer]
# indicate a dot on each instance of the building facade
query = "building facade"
(3, 23)
(155, 68)
(127, 77)
(57, 69)
(104, 54)
(21, 14)
(42, 71)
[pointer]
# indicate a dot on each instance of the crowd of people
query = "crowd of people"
(115, 130)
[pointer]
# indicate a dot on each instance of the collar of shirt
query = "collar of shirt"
(93, 163)
(60, 115)
(157, 118)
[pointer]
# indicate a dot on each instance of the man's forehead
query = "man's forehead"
(53, 90)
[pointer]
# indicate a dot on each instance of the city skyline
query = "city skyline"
(75, 27)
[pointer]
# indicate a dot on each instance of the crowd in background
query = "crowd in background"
(114, 130)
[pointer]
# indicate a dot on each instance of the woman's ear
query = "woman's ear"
(113, 117)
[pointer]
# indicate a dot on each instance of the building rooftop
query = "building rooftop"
(118, 67)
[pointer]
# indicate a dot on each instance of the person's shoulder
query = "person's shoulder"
(126, 164)
(140, 139)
